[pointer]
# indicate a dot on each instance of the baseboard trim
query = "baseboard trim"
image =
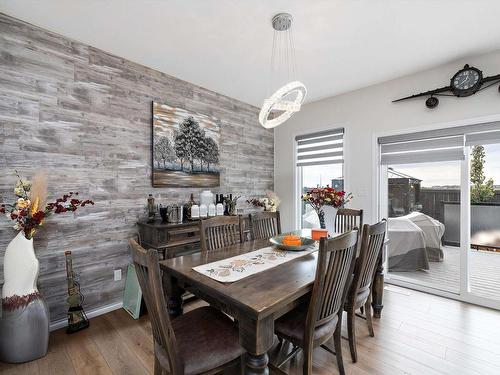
(90, 314)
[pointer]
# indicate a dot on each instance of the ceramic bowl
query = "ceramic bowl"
(278, 242)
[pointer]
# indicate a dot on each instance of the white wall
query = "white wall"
(368, 112)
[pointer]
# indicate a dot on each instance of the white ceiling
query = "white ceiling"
(225, 45)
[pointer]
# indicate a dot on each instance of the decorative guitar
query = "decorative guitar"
(77, 319)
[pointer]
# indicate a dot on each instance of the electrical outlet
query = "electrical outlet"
(118, 274)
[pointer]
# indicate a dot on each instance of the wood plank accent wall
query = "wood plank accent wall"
(84, 116)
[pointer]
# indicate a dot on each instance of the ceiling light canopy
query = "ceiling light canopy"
(288, 99)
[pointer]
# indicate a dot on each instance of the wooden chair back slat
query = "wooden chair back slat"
(347, 219)
(148, 273)
(219, 232)
(334, 270)
(264, 225)
(372, 243)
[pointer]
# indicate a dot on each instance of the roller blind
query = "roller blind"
(484, 138)
(429, 150)
(320, 148)
(436, 145)
(439, 133)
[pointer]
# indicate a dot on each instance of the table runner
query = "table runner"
(238, 267)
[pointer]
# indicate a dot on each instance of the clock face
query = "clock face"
(466, 82)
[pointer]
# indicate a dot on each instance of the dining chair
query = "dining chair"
(220, 231)
(359, 296)
(311, 326)
(264, 225)
(347, 219)
(202, 341)
(246, 232)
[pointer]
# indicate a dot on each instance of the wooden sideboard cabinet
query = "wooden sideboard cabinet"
(174, 240)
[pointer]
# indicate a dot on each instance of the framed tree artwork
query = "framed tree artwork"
(185, 148)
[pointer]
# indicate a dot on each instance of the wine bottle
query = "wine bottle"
(187, 207)
(219, 207)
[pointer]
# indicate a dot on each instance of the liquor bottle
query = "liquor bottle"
(219, 207)
(224, 202)
(187, 207)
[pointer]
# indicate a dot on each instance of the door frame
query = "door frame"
(380, 204)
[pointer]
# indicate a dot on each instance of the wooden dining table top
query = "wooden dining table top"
(258, 295)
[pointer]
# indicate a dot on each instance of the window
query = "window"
(319, 162)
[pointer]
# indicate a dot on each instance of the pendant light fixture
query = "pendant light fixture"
(287, 100)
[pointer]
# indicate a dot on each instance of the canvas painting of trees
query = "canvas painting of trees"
(185, 148)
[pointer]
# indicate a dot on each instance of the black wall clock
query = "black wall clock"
(465, 82)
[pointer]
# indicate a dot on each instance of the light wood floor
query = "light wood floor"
(445, 275)
(418, 334)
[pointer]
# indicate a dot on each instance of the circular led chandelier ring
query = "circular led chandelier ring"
(289, 98)
(278, 102)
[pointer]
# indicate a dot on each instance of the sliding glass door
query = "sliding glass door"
(424, 229)
(422, 197)
(440, 191)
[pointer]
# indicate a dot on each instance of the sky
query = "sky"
(448, 173)
(321, 175)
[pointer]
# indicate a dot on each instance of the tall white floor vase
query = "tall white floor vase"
(24, 318)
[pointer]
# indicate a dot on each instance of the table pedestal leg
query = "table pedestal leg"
(256, 336)
(174, 296)
(256, 364)
(174, 305)
(378, 289)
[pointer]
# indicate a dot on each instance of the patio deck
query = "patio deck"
(485, 273)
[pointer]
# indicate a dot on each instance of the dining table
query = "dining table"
(255, 302)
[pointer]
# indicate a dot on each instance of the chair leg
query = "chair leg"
(337, 341)
(351, 331)
(290, 355)
(368, 314)
(307, 366)
(158, 370)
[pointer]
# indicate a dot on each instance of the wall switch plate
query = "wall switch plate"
(118, 274)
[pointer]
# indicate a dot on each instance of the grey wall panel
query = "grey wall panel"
(84, 116)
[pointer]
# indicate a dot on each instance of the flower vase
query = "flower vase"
(326, 217)
(321, 217)
(231, 210)
(24, 322)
